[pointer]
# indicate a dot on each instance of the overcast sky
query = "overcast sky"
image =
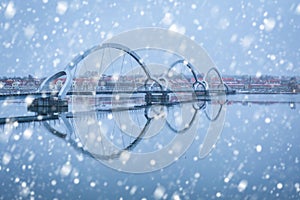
(242, 37)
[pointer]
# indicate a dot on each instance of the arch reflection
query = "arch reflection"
(162, 136)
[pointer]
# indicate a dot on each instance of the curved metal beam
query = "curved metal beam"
(183, 130)
(188, 65)
(51, 78)
(67, 85)
(218, 73)
(73, 65)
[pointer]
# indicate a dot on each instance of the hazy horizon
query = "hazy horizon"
(41, 37)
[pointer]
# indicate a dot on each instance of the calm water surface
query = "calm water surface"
(256, 157)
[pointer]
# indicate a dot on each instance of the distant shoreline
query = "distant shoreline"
(242, 84)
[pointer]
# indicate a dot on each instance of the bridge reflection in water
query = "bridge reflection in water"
(122, 136)
(130, 134)
(110, 128)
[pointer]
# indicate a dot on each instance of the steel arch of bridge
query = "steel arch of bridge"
(69, 71)
(71, 68)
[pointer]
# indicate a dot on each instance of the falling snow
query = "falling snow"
(242, 185)
(257, 154)
(258, 148)
(10, 10)
(62, 7)
(159, 192)
(267, 120)
(27, 134)
(6, 158)
(269, 24)
(66, 169)
(279, 186)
